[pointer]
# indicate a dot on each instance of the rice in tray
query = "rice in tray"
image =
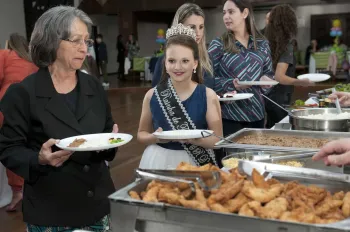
(327, 116)
(231, 162)
(292, 163)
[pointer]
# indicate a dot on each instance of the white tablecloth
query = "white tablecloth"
(5, 190)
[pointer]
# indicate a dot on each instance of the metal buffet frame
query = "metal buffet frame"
(130, 215)
(262, 132)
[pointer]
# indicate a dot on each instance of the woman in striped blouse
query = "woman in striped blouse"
(241, 54)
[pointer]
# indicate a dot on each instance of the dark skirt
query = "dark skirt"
(102, 225)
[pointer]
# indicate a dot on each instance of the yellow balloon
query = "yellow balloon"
(336, 23)
(160, 32)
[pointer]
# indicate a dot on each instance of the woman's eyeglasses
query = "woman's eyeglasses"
(77, 42)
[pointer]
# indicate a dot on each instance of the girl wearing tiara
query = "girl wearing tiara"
(180, 101)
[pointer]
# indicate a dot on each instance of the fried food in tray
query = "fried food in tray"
(256, 197)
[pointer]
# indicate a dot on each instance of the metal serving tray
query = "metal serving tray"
(129, 215)
(262, 132)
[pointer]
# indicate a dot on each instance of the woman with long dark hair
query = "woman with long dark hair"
(281, 32)
(15, 65)
(179, 101)
(241, 54)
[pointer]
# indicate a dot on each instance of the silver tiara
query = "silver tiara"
(180, 29)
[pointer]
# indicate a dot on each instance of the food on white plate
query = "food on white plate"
(115, 140)
(229, 95)
(83, 143)
(77, 142)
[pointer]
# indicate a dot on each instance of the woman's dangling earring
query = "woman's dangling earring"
(194, 71)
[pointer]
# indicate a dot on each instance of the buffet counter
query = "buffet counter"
(130, 211)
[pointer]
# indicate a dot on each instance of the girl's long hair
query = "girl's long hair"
(281, 30)
(181, 15)
(19, 44)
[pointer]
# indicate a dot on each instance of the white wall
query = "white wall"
(108, 26)
(215, 26)
(11, 19)
(147, 35)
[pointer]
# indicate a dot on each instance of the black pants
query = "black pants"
(121, 69)
(231, 127)
(103, 66)
(274, 113)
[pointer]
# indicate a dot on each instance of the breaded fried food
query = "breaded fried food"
(259, 180)
(194, 204)
(152, 194)
(339, 195)
(226, 192)
(299, 215)
(260, 194)
(255, 197)
(250, 209)
(217, 207)
(235, 204)
(171, 196)
(274, 209)
(327, 205)
(134, 195)
(346, 205)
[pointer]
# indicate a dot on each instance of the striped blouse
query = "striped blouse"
(247, 65)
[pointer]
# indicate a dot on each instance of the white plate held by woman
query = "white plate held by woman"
(236, 97)
(315, 77)
(94, 142)
(257, 83)
(181, 134)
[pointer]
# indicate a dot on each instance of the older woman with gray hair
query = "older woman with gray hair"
(62, 191)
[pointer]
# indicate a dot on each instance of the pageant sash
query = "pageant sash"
(179, 119)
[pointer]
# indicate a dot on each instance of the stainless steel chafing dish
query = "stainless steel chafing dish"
(342, 125)
(129, 215)
(232, 147)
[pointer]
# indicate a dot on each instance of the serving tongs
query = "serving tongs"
(281, 107)
(286, 156)
(274, 170)
(207, 180)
